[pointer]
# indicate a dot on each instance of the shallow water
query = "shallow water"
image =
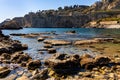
(81, 33)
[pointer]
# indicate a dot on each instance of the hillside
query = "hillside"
(69, 16)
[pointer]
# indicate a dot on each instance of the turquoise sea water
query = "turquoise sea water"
(81, 33)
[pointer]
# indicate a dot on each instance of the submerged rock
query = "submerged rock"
(63, 63)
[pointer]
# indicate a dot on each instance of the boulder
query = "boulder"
(4, 71)
(63, 63)
(32, 65)
(87, 61)
(102, 60)
(19, 46)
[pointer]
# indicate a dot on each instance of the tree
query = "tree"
(60, 8)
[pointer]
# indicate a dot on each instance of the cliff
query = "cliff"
(70, 16)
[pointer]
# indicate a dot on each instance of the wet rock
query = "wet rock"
(6, 56)
(83, 42)
(63, 63)
(31, 35)
(23, 64)
(47, 46)
(51, 51)
(23, 78)
(3, 50)
(57, 42)
(95, 40)
(32, 65)
(42, 75)
(102, 60)
(4, 71)
(87, 61)
(41, 39)
(18, 58)
(18, 46)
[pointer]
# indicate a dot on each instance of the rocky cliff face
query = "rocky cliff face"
(72, 16)
(50, 20)
(106, 5)
(11, 25)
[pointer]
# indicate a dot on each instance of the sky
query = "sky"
(18, 8)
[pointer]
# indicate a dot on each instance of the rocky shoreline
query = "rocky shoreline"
(17, 65)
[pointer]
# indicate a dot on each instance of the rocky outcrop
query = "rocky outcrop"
(63, 63)
(11, 25)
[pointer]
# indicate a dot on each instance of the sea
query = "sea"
(60, 34)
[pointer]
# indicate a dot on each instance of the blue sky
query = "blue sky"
(18, 8)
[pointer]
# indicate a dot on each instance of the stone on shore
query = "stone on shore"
(87, 61)
(63, 63)
(42, 75)
(102, 60)
(20, 57)
(32, 65)
(4, 71)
